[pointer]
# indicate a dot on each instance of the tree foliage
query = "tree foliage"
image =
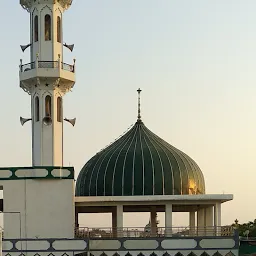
(249, 227)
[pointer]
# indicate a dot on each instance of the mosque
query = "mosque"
(139, 172)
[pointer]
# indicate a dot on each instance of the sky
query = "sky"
(195, 62)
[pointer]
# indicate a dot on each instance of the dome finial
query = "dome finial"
(139, 116)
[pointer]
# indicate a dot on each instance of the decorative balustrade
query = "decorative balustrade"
(26, 67)
(137, 232)
(47, 64)
(68, 67)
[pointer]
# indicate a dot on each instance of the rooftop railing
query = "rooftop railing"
(47, 64)
(137, 232)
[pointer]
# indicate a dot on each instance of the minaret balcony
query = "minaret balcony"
(47, 69)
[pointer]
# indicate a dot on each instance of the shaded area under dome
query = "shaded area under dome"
(140, 163)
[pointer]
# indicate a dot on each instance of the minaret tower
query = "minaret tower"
(46, 78)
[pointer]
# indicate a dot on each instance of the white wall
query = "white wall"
(47, 140)
(47, 50)
(46, 208)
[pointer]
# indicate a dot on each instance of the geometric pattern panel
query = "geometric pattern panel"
(191, 254)
(132, 253)
(123, 247)
(179, 254)
(217, 254)
(230, 254)
(205, 254)
(49, 172)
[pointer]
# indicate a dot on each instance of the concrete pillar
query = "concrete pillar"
(192, 223)
(119, 220)
(201, 222)
(153, 226)
(114, 222)
(209, 221)
(168, 220)
(217, 218)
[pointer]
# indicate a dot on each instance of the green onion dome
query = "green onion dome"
(140, 163)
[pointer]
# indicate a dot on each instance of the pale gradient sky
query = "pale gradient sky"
(195, 62)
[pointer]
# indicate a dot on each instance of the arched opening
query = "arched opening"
(36, 28)
(59, 109)
(48, 106)
(47, 27)
(37, 117)
(58, 29)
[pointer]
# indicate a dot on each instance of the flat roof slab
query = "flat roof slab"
(181, 203)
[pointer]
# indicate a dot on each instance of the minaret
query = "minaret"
(46, 79)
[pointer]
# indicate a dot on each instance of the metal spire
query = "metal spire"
(139, 116)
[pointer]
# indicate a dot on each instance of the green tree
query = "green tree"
(245, 227)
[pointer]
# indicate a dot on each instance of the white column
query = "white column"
(217, 218)
(153, 221)
(1, 241)
(209, 221)
(201, 222)
(168, 219)
(192, 223)
(119, 220)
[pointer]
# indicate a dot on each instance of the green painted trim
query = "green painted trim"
(48, 176)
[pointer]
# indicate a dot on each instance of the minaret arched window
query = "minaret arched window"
(47, 27)
(59, 109)
(48, 106)
(58, 29)
(36, 28)
(37, 117)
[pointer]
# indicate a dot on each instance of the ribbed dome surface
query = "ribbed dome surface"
(140, 163)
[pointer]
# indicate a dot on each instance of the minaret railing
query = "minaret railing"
(47, 64)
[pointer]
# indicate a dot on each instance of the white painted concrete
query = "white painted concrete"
(217, 217)
(105, 244)
(47, 50)
(192, 222)
(217, 243)
(38, 208)
(138, 244)
(147, 200)
(179, 243)
(201, 222)
(209, 221)
(119, 220)
(5, 174)
(69, 245)
(168, 219)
